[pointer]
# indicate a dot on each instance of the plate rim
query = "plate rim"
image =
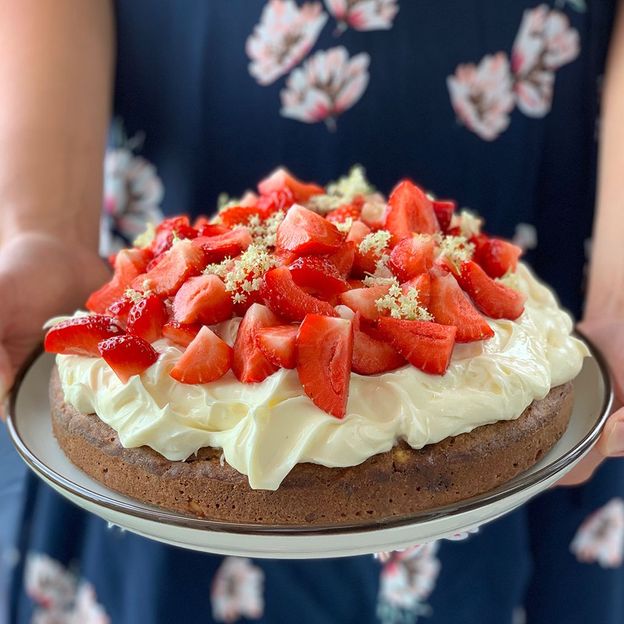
(173, 519)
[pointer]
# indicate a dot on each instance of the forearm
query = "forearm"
(56, 70)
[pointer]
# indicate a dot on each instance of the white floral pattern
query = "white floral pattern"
(237, 591)
(283, 38)
(363, 14)
(325, 86)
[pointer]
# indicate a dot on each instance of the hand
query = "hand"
(40, 276)
(608, 336)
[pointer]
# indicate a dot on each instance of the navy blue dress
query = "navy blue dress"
(492, 103)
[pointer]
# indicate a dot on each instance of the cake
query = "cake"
(314, 356)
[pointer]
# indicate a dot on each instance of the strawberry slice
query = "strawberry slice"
(426, 345)
(363, 263)
(305, 232)
(444, 210)
(343, 258)
(182, 261)
(81, 335)
(146, 318)
(120, 309)
(249, 362)
(278, 344)
(127, 355)
(221, 246)
(324, 353)
(282, 179)
(372, 354)
(347, 211)
(180, 333)
(410, 211)
(411, 256)
(211, 229)
(286, 299)
(362, 300)
(163, 239)
(207, 358)
(202, 299)
(422, 283)
(450, 306)
(493, 298)
(237, 215)
(319, 274)
(277, 200)
(497, 256)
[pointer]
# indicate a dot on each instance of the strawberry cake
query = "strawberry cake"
(314, 356)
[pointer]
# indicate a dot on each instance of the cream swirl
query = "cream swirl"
(265, 429)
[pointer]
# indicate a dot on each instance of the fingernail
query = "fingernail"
(615, 444)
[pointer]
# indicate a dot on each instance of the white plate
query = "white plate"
(30, 428)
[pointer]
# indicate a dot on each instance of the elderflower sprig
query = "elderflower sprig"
(403, 305)
(377, 242)
(456, 249)
(145, 238)
(342, 191)
(135, 296)
(468, 222)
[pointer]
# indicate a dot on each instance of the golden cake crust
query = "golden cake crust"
(390, 485)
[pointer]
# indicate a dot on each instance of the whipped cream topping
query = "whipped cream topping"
(265, 429)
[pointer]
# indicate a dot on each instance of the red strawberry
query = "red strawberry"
(81, 335)
(372, 355)
(278, 344)
(343, 258)
(411, 256)
(236, 215)
(450, 306)
(362, 300)
(147, 317)
(497, 256)
(127, 355)
(444, 209)
(120, 309)
(180, 333)
(493, 298)
(182, 261)
(363, 263)
(211, 229)
(410, 211)
(286, 299)
(422, 283)
(221, 246)
(207, 358)
(305, 232)
(241, 307)
(180, 226)
(249, 362)
(427, 346)
(277, 200)
(202, 299)
(346, 211)
(282, 179)
(324, 353)
(319, 274)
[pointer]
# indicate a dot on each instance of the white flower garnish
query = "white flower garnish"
(146, 238)
(343, 191)
(469, 223)
(456, 249)
(403, 305)
(135, 296)
(377, 242)
(345, 226)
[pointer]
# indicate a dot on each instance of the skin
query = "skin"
(58, 59)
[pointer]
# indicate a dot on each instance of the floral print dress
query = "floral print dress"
(494, 103)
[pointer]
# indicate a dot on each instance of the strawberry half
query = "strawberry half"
(163, 239)
(411, 256)
(211, 229)
(444, 210)
(304, 232)
(238, 215)
(451, 306)
(324, 354)
(127, 355)
(81, 335)
(289, 301)
(410, 211)
(146, 318)
(372, 354)
(363, 262)
(249, 362)
(493, 298)
(282, 179)
(422, 283)
(362, 300)
(497, 256)
(202, 299)
(120, 309)
(318, 274)
(221, 246)
(278, 344)
(427, 346)
(347, 211)
(206, 359)
(180, 333)
(343, 258)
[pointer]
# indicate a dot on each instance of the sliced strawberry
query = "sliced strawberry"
(241, 307)
(211, 229)
(493, 298)
(120, 309)
(282, 179)
(182, 261)
(221, 246)
(278, 344)
(411, 257)
(410, 211)
(347, 211)
(422, 283)
(497, 256)
(81, 335)
(305, 232)
(286, 299)
(237, 215)
(343, 258)
(163, 239)
(372, 356)
(444, 210)
(249, 362)
(324, 354)
(450, 306)
(427, 346)
(127, 355)
(180, 333)
(358, 232)
(319, 274)
(362, 300)
(207, 358)
(277, 200)
(147, 317)
(202, 299)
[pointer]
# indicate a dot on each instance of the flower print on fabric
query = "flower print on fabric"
(237, 591)
(600, 539)
(363, 14)
(282, 39)
(325, 86)
(60, 597)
